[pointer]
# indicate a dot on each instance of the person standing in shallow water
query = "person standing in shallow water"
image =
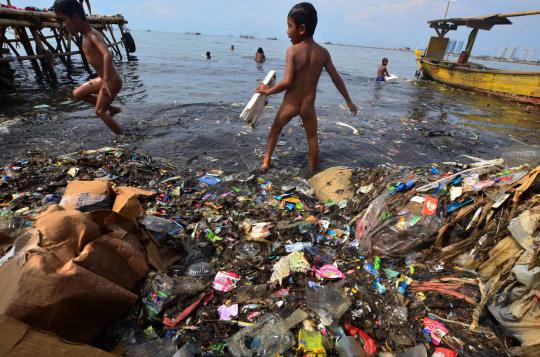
(305, 60)
(100, 91)
(382, 71)
(260, 56)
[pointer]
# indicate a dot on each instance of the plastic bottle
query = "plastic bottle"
(348, 346)
(10, 226)
(157, 292)
(162, 226)
(158, 348)
(247, 250)
(271, 336)
(329, 302)
(201, 269)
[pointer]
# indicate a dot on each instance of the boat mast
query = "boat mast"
(470, 41)
(447, 6)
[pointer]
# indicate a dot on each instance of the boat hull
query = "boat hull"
(518, 86)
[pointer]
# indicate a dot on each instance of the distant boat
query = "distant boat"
(272, 38)
(328, 43)
(192, 33)
(516, 85)
(249, 37)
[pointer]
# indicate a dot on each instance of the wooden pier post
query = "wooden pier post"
(46, 59)
(51, 48)
(6, 74)
(111, 30)
(109, 43)
(25, 41)
(68, 47)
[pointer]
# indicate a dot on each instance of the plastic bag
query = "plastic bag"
(366, 224)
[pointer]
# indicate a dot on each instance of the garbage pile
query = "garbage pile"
(130, 253)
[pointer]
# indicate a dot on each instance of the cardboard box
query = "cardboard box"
(75, 273)
(19, 339)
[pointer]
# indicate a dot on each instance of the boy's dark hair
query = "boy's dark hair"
(260, 50)
(384, 60)
(70, 8)
(304, 14)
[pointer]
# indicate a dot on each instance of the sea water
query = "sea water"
(181, 106)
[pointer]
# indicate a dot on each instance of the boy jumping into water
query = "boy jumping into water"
(305, 60)
(102, 90)
(382, 71)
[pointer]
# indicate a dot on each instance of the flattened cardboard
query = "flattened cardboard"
(127, 201)
(19, 339)
(87, 195)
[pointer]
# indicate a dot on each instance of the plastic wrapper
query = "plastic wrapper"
(366, 224)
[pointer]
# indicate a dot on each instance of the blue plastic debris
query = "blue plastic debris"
(210, 180)
(457, 205)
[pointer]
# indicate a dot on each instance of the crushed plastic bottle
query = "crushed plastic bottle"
(157, 292)
(10, 225)
(201, 269)
(187, 285)
(164, 347)
(348, 346)
(329, 302)
(271, 336)
(247, 250)
(400, 315)
(162, 227)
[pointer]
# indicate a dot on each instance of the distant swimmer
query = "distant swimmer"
(259, 55)
(382, 71)
(208, 55)
(232, 47)
(100, 91)
(304, 62)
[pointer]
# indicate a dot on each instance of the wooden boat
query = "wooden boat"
(515, 85)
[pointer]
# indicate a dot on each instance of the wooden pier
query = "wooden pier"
(37, 38)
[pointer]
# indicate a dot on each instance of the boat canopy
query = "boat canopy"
(480, 22)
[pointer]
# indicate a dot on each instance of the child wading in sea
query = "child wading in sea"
(260, 56)
(382, 71)
(305, 60)
(102, 90)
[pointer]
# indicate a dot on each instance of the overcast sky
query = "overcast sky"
(390, 23)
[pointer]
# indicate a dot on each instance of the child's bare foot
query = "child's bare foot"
(114, 110)
(265, 166)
